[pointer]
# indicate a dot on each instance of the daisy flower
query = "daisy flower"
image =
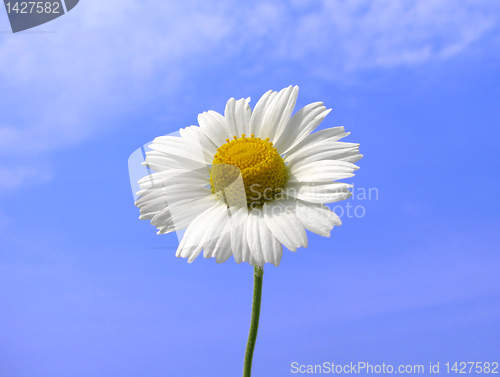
(248, 182)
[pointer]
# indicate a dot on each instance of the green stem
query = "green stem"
(258, 273)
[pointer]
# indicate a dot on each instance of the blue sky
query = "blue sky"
(87, 289)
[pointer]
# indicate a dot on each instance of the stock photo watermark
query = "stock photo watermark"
(307, 201)
(25, 15)
(350, 208)
(364, 367)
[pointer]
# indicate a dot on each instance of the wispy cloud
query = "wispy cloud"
(110, 57)
(12, 177)
(457, 270)
(348, 36)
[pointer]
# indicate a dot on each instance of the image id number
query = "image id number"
(32, 7)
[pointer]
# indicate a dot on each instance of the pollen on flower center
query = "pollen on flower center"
(260, 165)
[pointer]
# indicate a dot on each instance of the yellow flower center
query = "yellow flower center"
(260, 165)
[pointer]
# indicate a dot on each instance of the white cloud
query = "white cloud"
(108, 57)
(386, 33)
(101, 60)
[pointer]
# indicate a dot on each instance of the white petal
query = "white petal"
(323, 150)
(181, 214)
(287, 113)
(243, 113)
(239, 243)
(173, 177)
(154, 205)
(164, 222)
(192, 241)
(217, 238)
(229, 117)
(352, 159)
(316, 218)
(188, 183)
(322, 171)
(333, 134)
(264, 247)
(178, 146)
(213, 125)
(147, 216)
(163, 218)
(146, 196)
(285, 225)
(260, 111)
(173, 194)
(198, 138)
(237, 116)
(278, 113)
(159, 161)
(301, 125)
(318, 192)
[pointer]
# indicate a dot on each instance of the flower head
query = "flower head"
(246, 183)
